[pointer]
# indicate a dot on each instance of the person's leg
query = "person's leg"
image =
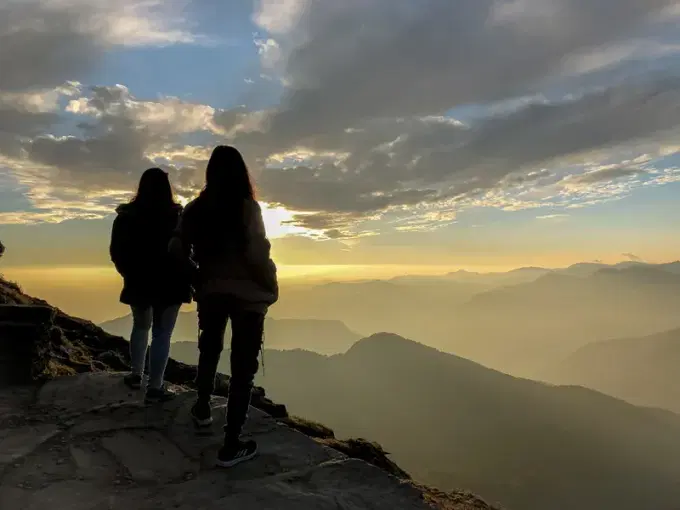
(213, 314)
(246, 342)
(164, 319)
(139, 340)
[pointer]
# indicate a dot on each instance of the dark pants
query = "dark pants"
(246, 341)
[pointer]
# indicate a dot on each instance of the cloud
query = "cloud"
(395, 163)
(632, 257)
(355, 60)
(279, 16)
(552, 217)
(168, 115)
(604, 174)
(46, 43)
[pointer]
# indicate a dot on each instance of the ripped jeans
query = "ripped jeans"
(161, 322)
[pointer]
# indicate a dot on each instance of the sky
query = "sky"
(384, 136)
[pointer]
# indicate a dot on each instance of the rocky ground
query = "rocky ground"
(85, 442)
(73, 437)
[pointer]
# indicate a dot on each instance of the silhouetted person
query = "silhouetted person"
(155, 285)
(2, 249)
(223, 233)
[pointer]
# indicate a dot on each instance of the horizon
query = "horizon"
(91, 292)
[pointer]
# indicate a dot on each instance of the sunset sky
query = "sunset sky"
(385, 136)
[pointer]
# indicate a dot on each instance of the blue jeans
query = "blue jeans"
(161, 322)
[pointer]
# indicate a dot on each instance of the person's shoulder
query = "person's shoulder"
(125, 208)
(191, 206)
(252, 206)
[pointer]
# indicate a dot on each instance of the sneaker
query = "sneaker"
(201, 413)
(133, 381)
(157, 395)
(241, 451)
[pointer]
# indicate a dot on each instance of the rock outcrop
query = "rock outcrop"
(73, 437)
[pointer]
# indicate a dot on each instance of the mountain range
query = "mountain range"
(322, 336)
(518, 322)
(454, 423)
(640, 370)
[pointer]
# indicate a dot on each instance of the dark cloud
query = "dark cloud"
(432, 160)
(355, 60)
(43, 45)
(17, 123)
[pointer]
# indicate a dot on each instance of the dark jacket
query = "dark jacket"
(139, 250)
(244, 271)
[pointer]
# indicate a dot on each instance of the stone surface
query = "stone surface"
(77, 393)
(17, 443)
(148, 456)
(104, 450)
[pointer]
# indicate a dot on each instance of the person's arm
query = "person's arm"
(119, 249)
(180, 246)
(258, 251)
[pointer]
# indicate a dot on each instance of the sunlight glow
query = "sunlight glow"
(279, 222)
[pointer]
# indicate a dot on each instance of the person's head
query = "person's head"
(227, 174)
(154, 190)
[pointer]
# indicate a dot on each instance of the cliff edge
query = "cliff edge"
(73, 437)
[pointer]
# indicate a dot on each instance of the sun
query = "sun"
(279, 222)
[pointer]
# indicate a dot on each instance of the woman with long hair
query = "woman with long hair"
(223, 234)
(155, 285)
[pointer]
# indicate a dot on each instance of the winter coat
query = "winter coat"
(244, 271)
(139, 250)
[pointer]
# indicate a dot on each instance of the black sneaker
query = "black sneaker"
(157, 395)
(241, 451)
(201, 413)
(133, 381)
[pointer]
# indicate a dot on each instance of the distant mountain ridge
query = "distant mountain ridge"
(519, 322)
(640, 370)
(322, 336)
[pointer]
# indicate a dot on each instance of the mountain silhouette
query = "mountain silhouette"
(455, 423)
(642, 370)
(524, 328)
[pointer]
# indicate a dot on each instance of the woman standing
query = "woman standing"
(223, 232)
(155, 286)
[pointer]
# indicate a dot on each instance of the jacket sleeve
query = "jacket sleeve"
(119, 249)
(258, 251)
(180, 246)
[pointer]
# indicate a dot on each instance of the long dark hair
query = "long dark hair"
(228, 187)
(154, 191)
(227, 175)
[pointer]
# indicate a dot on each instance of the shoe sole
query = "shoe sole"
(232, 463)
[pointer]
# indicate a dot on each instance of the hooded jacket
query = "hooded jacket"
(243, 271)
(139, 250)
